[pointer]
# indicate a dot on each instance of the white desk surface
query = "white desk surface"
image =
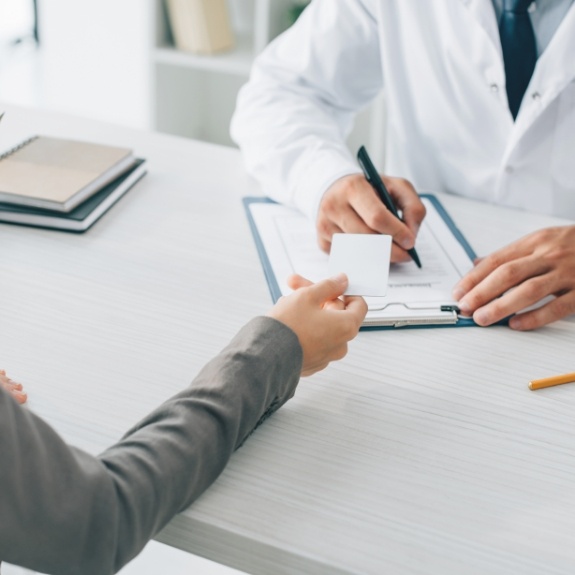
(422, 452)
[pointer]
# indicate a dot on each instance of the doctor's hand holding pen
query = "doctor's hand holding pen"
(351, 205)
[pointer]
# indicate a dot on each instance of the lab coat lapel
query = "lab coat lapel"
(484, 13)
(555, 69)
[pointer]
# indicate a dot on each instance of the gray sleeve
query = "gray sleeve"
(63, 511)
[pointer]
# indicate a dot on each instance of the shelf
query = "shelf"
(237, 61)
(194, 95)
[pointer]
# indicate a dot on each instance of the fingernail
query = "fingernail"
(340, 278)
(20, 397)
(481, 317)
(406, 243)
(464, 307)
(457, 293)
(515, 323)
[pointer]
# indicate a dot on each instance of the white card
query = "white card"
(365, 259)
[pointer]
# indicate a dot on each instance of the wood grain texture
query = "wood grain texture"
(422, 452)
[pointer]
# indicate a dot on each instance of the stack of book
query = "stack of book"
(201, 26)
(63, 184)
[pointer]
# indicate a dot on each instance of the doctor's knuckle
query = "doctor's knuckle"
(543, 236)
(510, 273)
(569, 304)
(557, 254)
(537, 288)
(400, 183)
(375, 220)
(563, 307)
(419, 211)
(329, 203)
(475, 300)
(493, 261)
(357, 188)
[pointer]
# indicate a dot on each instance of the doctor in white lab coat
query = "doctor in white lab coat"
(449, 128)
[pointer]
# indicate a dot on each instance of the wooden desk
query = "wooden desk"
(423, 452)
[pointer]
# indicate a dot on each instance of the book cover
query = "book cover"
(83, 216)
(201, 26)
(58, 174)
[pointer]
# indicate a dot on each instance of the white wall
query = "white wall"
(95, 58)
(95, 61)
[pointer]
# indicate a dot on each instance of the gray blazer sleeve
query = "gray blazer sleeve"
(63, 511)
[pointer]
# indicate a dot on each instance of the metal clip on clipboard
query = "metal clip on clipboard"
(389, 315)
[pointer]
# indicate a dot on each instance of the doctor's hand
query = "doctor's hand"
(538, 265)
(323, 322)
(13, 388)
(351, 205)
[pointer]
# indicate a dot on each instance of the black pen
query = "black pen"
(372, 176)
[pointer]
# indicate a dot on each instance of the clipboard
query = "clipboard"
(286, 243)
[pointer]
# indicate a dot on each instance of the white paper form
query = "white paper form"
(414, 295)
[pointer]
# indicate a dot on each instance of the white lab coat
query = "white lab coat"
(449, 128)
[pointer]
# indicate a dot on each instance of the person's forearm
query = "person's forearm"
(294, 115)
(291, 144)
(64, 511)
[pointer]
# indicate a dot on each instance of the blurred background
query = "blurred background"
(120, 61)
(88, 58)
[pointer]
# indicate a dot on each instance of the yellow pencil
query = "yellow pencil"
(549, 381)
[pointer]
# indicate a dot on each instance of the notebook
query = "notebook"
(58, 174)
(81, 217)
(286, 243)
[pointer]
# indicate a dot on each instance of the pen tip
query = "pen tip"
(414, 257)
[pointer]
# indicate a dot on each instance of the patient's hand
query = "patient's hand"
(322, 322)
(13, 388)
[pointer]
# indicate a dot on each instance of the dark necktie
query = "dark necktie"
(519, 49)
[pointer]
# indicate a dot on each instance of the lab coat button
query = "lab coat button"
(536, 96)
(494, 88)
